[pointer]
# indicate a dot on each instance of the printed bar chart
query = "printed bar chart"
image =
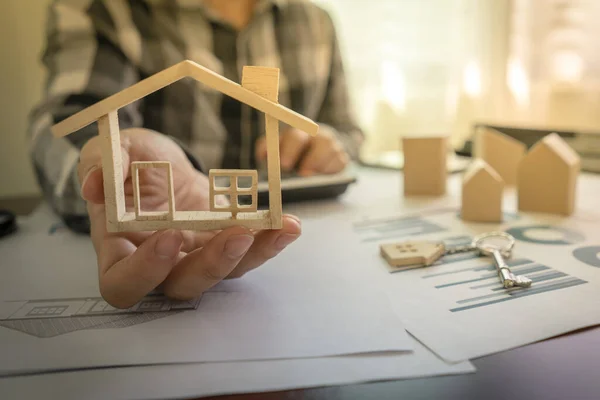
(481, 279)
(395, 228)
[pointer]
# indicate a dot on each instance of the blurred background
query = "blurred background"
(414, 67)
(22, 26)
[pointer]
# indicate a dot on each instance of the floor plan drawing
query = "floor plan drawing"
(53, 317)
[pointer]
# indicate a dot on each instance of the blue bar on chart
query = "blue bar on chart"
(395, 228)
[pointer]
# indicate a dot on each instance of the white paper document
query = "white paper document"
(49, 297)
(459, 309)
(210, 379)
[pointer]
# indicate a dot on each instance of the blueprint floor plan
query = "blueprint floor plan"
(53, 317)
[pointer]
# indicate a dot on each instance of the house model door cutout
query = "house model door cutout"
(137, 200)
(259, 89)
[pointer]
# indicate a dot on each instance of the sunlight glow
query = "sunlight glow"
(567, 66)
(393, 85)
(518, 82)
(472, 79)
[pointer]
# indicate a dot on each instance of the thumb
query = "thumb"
(92, 185)
(89, 170)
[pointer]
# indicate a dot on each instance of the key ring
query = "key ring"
(505, 251)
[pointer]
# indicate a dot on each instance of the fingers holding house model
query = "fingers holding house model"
(173, 241)
(182, 263)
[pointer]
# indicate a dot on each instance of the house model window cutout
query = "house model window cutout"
(259, 89)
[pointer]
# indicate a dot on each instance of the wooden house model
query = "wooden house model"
(502, 152)
(425, 170)
(409, 253)
(547, 177)
(259, 89)
(482, 193)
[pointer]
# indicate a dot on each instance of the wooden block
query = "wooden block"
(411, 253)
(233, 190)
(482, 193)
(112, 169)
(265, 82)
(198, 221)
(135, 175)
(547, 177)
(503, 153)
(425, 168)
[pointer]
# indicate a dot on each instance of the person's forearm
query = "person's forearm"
(55, 159)
(76, 56)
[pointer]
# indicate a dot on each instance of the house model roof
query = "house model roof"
(498, 136)
(556, 145)
(170, 75)
(480, 168)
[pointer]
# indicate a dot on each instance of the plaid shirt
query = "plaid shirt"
(96, 48)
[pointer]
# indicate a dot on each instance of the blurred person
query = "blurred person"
(97, 48)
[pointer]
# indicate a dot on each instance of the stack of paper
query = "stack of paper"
(324, 312)
(310, 317)
(458, 307)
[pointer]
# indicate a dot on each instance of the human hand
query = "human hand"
(321, 154)
(183, 264)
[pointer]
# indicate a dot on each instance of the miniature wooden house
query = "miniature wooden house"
(425, 170)
(411, 253)
(503, 153)
(259, 89)
(547, 177)
(482, 193)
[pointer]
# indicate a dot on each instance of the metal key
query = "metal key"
(507, 278)
(469, 248)
(424, 253)
(498, 254)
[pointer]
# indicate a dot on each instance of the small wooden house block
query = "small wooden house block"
(503, 153)
(425, 170)
(411, 253)
(547, 177)
(482, 193)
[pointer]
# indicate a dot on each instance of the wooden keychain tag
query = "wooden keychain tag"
(417, 253)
